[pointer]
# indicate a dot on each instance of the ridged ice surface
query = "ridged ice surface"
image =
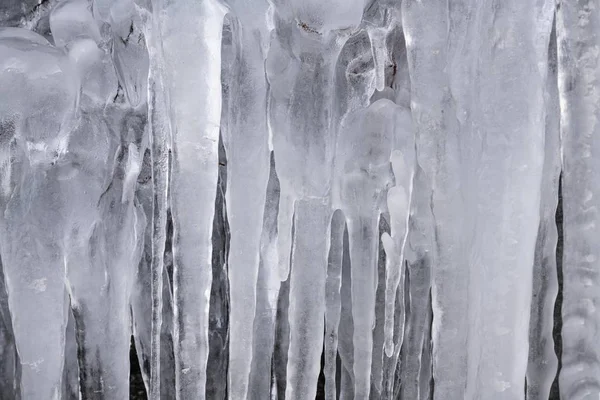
(299, 199)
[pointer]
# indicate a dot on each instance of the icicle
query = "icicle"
(377, 359)
(418, 254)
(282, 340)
(307, 297)
(303, 142)
(70, 389)
(332, 302)
(363, 170)
(391, 382)
(159, 137)
(477, 94)
(266, 300)
(167, 354)
(426, 381)
(346, 327)
(141, 297)
(38, 81)
(192, 81)
(578, 59)
(543, 362)
(218, 339)
(246, 144)
(398, 202)
(284, 229)
(104, 237)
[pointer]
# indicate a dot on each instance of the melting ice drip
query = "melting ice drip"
(299, 199)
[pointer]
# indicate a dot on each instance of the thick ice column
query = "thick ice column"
(481, 122)
(246, 144)
(192, 81)
(104, 235)
(34, 273)
(104, 240)
(131, 58)
(300, 69)
(39, 104)
(101, 265)
(502, 252)
(541, 369)
(577, 30)
(431, 106)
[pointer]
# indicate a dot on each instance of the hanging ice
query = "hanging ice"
(302, 199)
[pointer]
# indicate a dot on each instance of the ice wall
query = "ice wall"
(299, 199)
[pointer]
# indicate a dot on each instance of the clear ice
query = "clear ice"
(299, 199)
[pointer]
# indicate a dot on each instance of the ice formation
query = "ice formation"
(299, 199)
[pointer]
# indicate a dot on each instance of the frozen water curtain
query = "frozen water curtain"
(300, 199)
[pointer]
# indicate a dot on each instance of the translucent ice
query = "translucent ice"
(299, 199)
(37, 79)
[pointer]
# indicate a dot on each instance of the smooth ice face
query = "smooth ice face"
(354, 199)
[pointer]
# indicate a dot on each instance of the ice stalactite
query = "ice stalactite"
(130, 56)
(469, 115)
(35, 210)
(542, 366)
(333, 302)
(246, 143)
(300, 69)
(349, 199)
(346, 327)
(192, 83)
(167, 354)
(159, 136)
(105, 232)
(282, 341)
(418, 255)
(267, 291)
(398, 204)
(364, 150)
(578, 59)
(70, 389)
(141, 296)
(218, 339)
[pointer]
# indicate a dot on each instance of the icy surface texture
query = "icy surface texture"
(299, 199)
